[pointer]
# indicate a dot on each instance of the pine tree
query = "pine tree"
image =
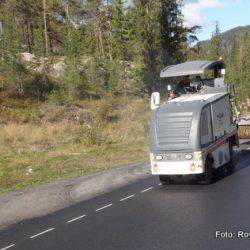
(245, 66)
(96, 49)
(10, 59)
(115, 47)
(234, 63)
(215, 48)
(163, 37)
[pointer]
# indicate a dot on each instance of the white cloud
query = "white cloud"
(192, 11)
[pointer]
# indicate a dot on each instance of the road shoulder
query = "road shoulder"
(40, 200)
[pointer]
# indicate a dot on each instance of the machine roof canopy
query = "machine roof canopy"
(191, 68)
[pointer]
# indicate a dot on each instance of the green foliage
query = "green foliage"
(39, 86)
(59, 96)
(90, 136)
(108, 110)
(215, 50)
(234, 46)
(106, 46)
(245, 65)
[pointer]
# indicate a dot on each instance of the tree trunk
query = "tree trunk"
(45, 26)
(1, 30)
(66, 9)
(99, 35)
(28, 34)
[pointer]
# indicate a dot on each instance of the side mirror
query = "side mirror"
(155, 100)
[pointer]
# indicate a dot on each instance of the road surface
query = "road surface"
(147, 215)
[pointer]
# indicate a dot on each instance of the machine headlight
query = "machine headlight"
(159, 157)
(188, 156)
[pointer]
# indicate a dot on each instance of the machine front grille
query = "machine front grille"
(173, 128)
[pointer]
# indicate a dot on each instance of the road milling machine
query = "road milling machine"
(194, 131)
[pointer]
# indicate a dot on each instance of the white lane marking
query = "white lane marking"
(44, 232)
(145, 190)
(101, 208)
(128, 197)
(8, 247)
(159, 184)
(77, 218)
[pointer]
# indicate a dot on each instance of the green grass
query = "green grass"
(43, 149)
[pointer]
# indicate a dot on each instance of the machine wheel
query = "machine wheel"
(166, 179)
(230, 165)
(207, 176)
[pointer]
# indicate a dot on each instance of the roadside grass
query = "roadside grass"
(46, 147)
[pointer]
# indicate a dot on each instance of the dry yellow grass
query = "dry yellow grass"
(29, 134)
(45, 149)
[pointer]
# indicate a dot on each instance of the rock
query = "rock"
(77, 114)
(27, 57)
(57, 69)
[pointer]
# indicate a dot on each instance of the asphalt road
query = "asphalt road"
(146, 215)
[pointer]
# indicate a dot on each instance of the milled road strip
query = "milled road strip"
(8, 247)
(44, 232)
(128, 197)
(145, 190)
(106, 206)
(77, 218)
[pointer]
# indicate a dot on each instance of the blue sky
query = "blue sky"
(229, 14)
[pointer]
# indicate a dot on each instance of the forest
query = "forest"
(101, 47)
(80, 49)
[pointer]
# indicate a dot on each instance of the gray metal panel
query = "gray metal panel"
(191, 101)
(173, 128)
(217, 90)
(190, 68)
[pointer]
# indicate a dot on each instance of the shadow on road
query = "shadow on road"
(242, 161)
(221, 173)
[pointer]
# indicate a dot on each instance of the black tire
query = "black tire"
(166, 179)
(230, 166)
(207, 177)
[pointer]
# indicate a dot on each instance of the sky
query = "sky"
(228, 13)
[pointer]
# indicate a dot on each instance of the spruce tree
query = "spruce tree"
(215, 47)
(245, 73)
(11, 45)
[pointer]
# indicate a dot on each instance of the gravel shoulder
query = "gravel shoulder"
(40, 200)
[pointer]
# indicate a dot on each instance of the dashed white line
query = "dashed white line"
(82, 216)
(8, 247)
(106, 206)
(145, 190)
(77, 218)
(128, 197)
(44, 232)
